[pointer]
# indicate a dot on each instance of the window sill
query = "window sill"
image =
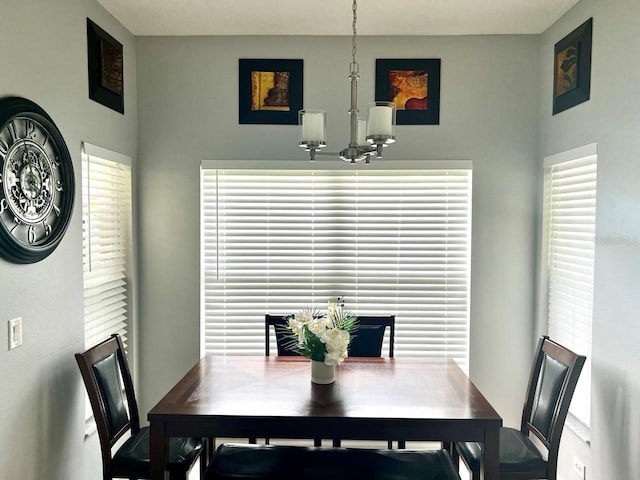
(89, 427)
(582, 431)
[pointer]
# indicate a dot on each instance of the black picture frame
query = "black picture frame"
(572, 68)
(427, 114)
(286, 103)
(106, 68)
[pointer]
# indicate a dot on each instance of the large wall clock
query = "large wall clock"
(36, 182)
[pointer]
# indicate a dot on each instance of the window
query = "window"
(106, 243)
(569, 230)
(391, 241)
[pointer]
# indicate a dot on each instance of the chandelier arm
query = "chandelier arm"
(362, 150)
(350, 154)
(322, 152)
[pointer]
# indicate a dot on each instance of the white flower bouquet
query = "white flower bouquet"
(322, 337)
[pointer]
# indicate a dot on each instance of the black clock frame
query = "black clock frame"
(10, 248)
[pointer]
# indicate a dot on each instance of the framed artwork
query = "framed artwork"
(270, 91)
(572, 68)
(414, 86)
(106, 74)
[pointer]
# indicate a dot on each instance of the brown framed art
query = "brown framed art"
(106, 73)
(270, 91)
(572, 68)
(414, 86)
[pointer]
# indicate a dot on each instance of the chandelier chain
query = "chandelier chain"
(354, 8)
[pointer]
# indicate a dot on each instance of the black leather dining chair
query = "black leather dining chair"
(269, 462)
(552, 381)
(368, 338)
(108, 382)
(279, 324)
(367, 341)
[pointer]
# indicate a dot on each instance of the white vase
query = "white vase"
(322, 373)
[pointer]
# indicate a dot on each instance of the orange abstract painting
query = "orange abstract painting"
(408, 89)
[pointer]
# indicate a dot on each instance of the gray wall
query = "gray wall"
(496, 111)
(44, 58)
(611, 118)
(188, 103)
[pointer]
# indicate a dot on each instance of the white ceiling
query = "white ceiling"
(333, 17)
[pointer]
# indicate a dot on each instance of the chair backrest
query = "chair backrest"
(553, 380)
(279, 324)
(107, 378)
(368, 338)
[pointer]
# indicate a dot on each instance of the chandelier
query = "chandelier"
(368, 135)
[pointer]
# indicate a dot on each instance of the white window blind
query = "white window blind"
(106, 239)
(570, 215)
(392, 242)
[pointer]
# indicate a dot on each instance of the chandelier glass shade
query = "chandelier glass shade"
(368, 134)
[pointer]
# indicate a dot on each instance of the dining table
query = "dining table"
(402, 398)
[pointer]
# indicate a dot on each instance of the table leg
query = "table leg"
(158, 450)
(490, 463)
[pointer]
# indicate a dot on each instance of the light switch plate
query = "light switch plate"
(15, 333)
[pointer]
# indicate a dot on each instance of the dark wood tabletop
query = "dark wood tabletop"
(372, 399)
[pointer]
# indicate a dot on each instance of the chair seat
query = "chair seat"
(270, 462)
(133, 456)
(519, 457)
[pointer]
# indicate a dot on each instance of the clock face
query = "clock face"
(36, 182)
